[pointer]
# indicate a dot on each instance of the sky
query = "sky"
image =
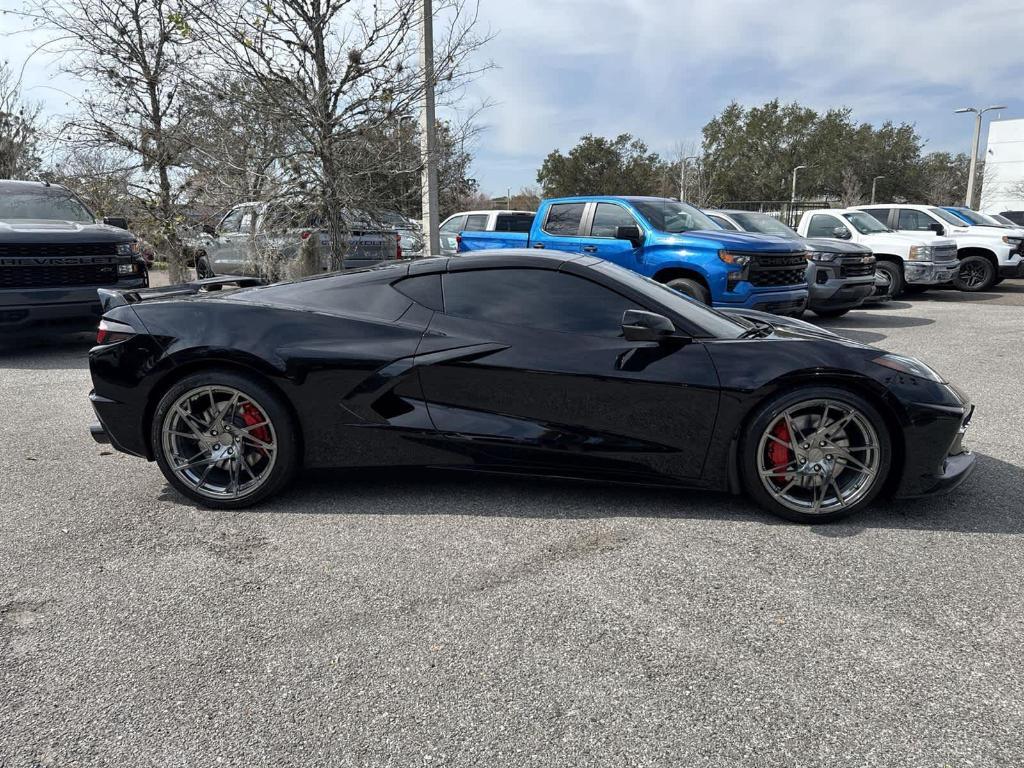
(660, 69)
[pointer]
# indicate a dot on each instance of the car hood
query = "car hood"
(744, 241)
(64, 231)
(905, 239)
(979, 229)
(835, 246)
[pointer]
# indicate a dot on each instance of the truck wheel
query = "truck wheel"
(976, 274)
(895, 275)
(690, 288)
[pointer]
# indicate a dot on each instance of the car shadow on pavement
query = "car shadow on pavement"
(986, 503)
(47, 352)
(863, 326)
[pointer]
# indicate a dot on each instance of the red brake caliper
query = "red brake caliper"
(252, 416)
(780, 455)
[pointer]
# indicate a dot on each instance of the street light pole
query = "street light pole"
(428, 134)
(682, 176)
(792, 197)
(974, 146)
(874, 181)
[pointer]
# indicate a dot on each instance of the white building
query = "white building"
(1003, 183)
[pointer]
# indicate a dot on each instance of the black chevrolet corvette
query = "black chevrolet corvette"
(518, 362)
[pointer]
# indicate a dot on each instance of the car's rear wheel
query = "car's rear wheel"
(976, 274)
(690, 288)
(815, 455)
(224, 440)
(892, 273)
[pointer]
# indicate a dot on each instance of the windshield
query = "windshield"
(1004, 221)
(43, 203)
(865, 223)
(672, 217)
(978, 219)
(763, 224)
(716, 324)
(946, 216)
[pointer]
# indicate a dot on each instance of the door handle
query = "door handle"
(590, 249)
(538, 245)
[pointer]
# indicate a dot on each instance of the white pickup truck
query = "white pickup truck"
(987, 254)
(906, 260)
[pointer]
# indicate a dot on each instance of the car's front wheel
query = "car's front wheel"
(816, 454)
(690, 288)
(976, 274)
(893, 275)
(224, 440)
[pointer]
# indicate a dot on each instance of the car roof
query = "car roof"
(13, 184)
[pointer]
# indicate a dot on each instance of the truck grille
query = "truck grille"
(944, 253)
(47, 276)
(56, 250)
(857, 267)
(775, 271)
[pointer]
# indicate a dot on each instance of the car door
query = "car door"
(560, 230)
(601, 224)
(828, 226)
(529, 367)
(221, 248)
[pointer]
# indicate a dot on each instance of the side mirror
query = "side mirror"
(842, 233)
(121, 222)
(937, 228)
(631, 233)
(638, 325)
(209, 229)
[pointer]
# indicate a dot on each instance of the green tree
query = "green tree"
(600, 166)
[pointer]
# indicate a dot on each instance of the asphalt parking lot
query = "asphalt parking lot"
(442, 619)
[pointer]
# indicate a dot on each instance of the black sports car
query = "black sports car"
(518, 362)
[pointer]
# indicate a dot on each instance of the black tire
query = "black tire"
(286, 437)
(976, 274)
(998, 280)
(767, 413)
(895, 274)
(690, 288)
(829, 313)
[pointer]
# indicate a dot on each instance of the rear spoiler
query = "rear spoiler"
(110, 298)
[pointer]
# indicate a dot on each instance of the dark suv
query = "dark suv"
(53, 257)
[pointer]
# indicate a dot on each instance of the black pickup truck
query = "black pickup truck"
(54, 255)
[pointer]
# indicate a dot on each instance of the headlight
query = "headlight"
(920, 253)
(822, 257)
(129, 249)
(1011, 240)
(739, 259)
(909, 366)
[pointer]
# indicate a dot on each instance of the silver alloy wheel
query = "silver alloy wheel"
(819, 456)
(888, 283)
(219, 441)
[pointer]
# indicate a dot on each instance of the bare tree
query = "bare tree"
(134, 56)
(338, 72)
(19, 129)
(699, 174)
(851, 191)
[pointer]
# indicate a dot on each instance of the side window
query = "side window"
(535, 298)
(882, 214)
(608, 217)
(823, 225)
(514, 222)
(248, 222)
(453, 226)
(723, 223)
(476, 222)
(564, 219)
(914, 220)
(232, 221)
(423, 289)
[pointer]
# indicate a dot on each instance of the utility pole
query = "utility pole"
(428, 134)
(874, 181)
(974, 146)
(682, 176)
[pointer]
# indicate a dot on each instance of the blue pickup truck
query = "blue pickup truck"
(671, 242)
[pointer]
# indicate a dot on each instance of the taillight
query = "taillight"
(458, 242)
(111, 332)
(398, 245)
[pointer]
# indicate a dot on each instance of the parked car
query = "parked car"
(840, 276)
(54, 254)
(251, 234)
(481, 221)
(410, 235)
(1005, 221)
(672, 243)
(1017, 217)
(906, 260)
(517, 361)
(987, 253)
